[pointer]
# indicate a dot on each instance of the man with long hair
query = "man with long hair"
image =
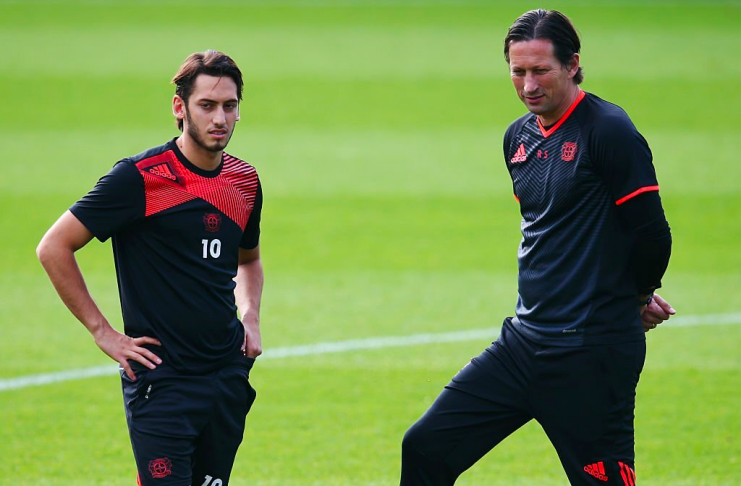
(595, 245)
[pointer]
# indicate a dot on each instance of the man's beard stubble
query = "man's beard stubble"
(193, 133)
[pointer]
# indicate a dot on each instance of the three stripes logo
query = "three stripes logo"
(597, 470)
(520, 155)
(628, 475)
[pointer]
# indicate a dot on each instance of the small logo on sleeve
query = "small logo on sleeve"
(212, 221)
(568, 151)
(160, 468)
(520, 155)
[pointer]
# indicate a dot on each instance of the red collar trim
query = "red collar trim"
(547, 133)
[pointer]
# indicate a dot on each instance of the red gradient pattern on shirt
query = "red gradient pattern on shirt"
(232, 192)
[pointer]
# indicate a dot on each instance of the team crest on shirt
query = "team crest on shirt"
(212, 221)
(160, 468)
(568, 151)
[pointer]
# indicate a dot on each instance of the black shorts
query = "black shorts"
(583, 397)
(186, 429)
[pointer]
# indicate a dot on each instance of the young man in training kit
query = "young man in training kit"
(185, 222)
(595, 245)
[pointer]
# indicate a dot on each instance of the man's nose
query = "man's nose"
(531, 83)
(219, 116)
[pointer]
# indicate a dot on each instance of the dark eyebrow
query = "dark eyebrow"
(209, 100)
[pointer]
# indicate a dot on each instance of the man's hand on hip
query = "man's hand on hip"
(123, 348)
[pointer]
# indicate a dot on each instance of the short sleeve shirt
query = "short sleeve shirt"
(176, 231)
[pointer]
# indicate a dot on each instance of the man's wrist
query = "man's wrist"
(99, 329)
(646, 299)
(251, 318)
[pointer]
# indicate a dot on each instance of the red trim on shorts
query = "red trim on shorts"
(629, 476)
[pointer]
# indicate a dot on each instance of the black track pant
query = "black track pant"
(583, 397)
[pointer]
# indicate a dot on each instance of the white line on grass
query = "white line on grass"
(345, 346)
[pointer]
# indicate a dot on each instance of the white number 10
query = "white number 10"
(207, 482)
(214, 249)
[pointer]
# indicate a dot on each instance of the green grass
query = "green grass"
(376, 128)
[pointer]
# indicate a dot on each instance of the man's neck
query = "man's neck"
(197, 155)
(562, 108)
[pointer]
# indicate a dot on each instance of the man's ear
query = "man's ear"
(574, 65)
(178, 107)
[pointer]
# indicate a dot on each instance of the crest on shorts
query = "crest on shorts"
(212, 221)
(568, 151)
(160, 468)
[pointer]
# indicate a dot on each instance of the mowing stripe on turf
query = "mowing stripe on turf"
(345, 346)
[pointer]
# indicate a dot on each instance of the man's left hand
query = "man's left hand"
(656, 312)
(252, 347)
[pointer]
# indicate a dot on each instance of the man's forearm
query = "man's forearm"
(644, 219)
(61, 267)
(248, 291)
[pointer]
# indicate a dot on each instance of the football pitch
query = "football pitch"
(389, 232)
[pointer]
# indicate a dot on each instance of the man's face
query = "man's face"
(212, 111)
(541, 81)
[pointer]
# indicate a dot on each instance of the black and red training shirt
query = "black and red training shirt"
(594, 234)
(176, 232)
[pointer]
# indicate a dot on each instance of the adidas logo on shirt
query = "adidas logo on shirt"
(520, 155)
(163, 170)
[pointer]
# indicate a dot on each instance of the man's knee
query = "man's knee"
(415, 439)
(421, 447)
(423, 458)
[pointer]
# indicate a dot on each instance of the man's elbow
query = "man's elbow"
(44, 250)
(51, 248)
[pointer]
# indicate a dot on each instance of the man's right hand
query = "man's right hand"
(123, 348)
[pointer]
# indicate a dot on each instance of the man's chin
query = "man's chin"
(215, 146)
(534, 109)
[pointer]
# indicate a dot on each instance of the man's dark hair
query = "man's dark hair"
(212, 63)
(549, 25)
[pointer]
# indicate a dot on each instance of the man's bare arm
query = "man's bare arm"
(56, 252)
(248, 294)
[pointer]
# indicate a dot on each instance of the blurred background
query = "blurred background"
(376, 127)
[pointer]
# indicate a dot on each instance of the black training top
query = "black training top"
(177, 230)
(577, 278)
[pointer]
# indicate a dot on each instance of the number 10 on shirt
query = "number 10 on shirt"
(211, 248)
